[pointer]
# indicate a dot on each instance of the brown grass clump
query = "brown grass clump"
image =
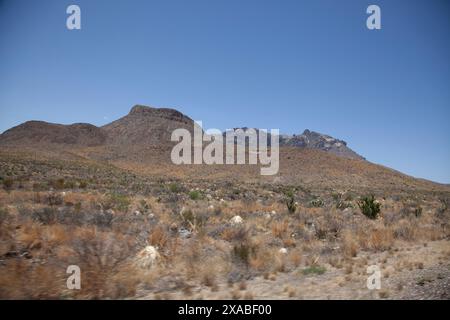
(158, 237)
(349, 244)
(381, 239)
(279, 229)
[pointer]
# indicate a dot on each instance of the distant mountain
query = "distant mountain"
(315, 140)
(145, 126)
(42, 133)
(312, 140)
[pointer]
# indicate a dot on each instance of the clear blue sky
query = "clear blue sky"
(268, 64)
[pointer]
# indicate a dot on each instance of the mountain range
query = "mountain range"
(140, 142)
(145, 126)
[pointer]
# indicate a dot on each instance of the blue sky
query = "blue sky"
(290, 65)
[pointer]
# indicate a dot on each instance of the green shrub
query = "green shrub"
(194, 222)
(290, 201)
(195, 195)
(314, 270)
(174, 187)
(116, 201)
(369, 207)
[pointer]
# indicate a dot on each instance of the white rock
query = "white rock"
(267, 216)
(137, 213)
(211, 207)
(147, 257)
(273, 212)
(63, 193)
(236, 220)
(283, 251)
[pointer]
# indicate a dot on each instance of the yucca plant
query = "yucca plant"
(290, 201)
(369, 207)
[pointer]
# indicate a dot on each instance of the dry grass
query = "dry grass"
(38, 251)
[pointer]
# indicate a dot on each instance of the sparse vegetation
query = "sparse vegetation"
(194, 195)
(8, 183)
(290, 201)
(110, 221)
(314, 270)
(369, 207)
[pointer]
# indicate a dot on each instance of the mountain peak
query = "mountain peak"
(165, 112)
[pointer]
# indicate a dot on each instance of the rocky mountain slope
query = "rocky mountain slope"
(145, 126)
(315, 140)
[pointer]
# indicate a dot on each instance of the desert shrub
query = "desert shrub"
(8, 184)
(342, 205)
(77, 207)
(233, 234)
(101, 219)
(443, 206)
(158, 237)
(290, 201)
(174, 187)
(349, 244)
(57, 184)
(369, 207)
(411, 209)
(144, 206)
(242, 252)
(314, 270)
(418, 212)
(194, 195)
(69, 185)
(192, 220)
(102, 256)
(45, 215)
(336, 196)
(3, 215)
(54, 199)
(279, 229)
(405, 230)
(37, 186)
(82, 184)
(381, 239)
(116, 201)
(317, 203)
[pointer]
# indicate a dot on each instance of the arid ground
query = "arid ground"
(139, 228)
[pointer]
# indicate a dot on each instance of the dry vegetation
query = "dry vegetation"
(59, 213)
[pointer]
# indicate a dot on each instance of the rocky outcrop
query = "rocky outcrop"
(315, 140)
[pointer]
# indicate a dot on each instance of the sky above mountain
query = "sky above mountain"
(267, 64)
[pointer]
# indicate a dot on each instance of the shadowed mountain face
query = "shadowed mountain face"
(147, 126)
